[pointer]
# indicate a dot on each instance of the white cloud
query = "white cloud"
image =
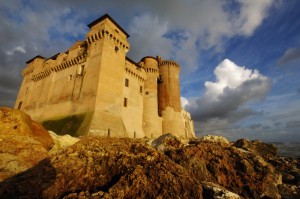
(16, 49)
(211, 23)
(251, 15)
(234, 87)
(184, 102)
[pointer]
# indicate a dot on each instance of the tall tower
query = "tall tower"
(107, 48)
(152, 123)
(169, 98)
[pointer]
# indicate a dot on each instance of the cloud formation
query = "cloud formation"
(225, 98)
(289, 55)
(157, 27)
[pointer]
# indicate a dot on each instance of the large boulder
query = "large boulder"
(98, 167)
(23, 142)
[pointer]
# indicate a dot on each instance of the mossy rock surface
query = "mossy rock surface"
(67, 125)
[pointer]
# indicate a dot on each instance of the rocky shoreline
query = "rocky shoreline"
(37, 164)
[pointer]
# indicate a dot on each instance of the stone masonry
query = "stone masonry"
(93, 88)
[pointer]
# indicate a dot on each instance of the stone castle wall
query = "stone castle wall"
(93, 88)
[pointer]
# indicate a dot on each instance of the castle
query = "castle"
(93, 88)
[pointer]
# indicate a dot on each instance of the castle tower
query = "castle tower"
(152, 123)
(93, 88)
(107, 47)
(169, 99)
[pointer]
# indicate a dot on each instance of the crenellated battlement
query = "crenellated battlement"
(134, 70)
(151, 70)
(168, 63)
(106, 34)
(81, 58)
(93, 87)
(27, 71)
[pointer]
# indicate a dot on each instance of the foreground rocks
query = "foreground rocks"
(239, 171)
(23, 142)
(104, 167)
(34, 164)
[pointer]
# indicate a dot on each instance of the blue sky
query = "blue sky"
(239, 58)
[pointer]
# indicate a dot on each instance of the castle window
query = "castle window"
(147, 93)
(116, 49)
(20, 105)
(125, 102)
(26, 90)
(141, 89)
(127, 82)
(80, 70)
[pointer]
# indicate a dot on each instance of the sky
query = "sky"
(240, 59)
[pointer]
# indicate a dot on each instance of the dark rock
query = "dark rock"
(289, 191)
(104, 168)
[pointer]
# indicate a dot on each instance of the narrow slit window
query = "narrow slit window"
(125, 102)
(127, 82)
(20, 105)
(141, 89)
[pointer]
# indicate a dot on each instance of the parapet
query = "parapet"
(168, 63)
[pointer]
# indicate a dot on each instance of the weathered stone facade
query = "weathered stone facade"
(93, 88)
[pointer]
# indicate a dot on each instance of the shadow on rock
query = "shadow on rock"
(30, 183)
(98, 167)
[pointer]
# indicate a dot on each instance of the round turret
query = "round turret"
(169, 88)
(152, 122)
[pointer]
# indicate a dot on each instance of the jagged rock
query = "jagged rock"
(98, 167)
(289, 191)
(214, 191)
(23, 142)
(166, 142)
(290, 170)
(265, 150)
(214, 138)
(242, 172)
(61, 141)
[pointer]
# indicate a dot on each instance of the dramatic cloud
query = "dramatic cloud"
(289, 55)
(168, 28)
(225, 98)
(147, 34)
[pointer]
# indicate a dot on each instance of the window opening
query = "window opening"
(127, 82)
(125, 102)
(141, 89)
(20, 105)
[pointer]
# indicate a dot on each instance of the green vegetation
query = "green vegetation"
(71, 124)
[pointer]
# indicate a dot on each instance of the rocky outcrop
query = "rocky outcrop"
(34, 165)
(211, 190)
(104, 167)
(237, 170)
(23, 142)
(265, 150)
(289, 168)
(214, 138)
